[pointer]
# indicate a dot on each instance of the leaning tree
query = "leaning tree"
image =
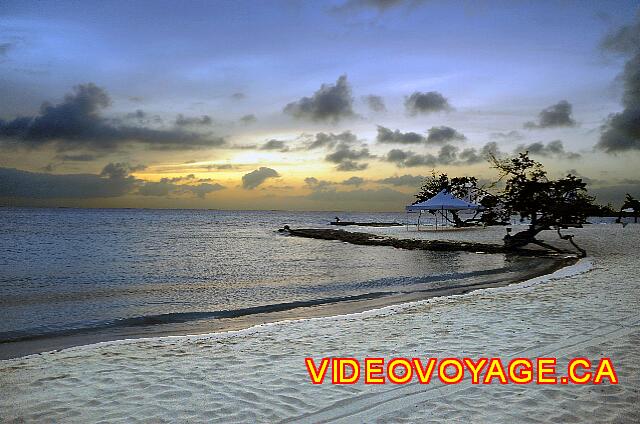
(630, 203)
(548, 204)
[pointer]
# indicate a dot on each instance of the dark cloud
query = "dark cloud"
(422, 103)
(76, 123)
(385, 135)
(558, 115)
(472, 156)
(316, 184)
(408, 159)
(552, 149)
(113, 181)
(331, 102)
(403, 180)
(346, 157)
(436, 135)
(254, 178)
(183, 121)
(375, 103)
(330, 140)
(447, 155)
(354, 181)
(275, 145)
(622, 130)
(349, 165)
(442, 134)
(248, 119)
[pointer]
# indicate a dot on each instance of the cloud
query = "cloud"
(403, 180)
(238, 96)
(423, 103)
(408, 159)
(346, 157)
(354, 181)
(375, 103)
(442, 134)
(558, 115)
(204, 120)
(76, 123)
(275, 145)
(622, 130)
(330, 140)
(447, 155)
(472, 156)
(315, 184)
(349, 165)
(254, 178)
(248, 119)
(113, 181)
(332, 102)
(385, 135)
(436, 135)
(552, 149)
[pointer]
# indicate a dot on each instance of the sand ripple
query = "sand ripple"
(258, 375)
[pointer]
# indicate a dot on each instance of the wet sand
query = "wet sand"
(257, 375)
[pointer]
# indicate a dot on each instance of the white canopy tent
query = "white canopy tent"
(441, 202)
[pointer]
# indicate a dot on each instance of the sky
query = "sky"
(336, 105)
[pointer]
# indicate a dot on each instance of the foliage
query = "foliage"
(546, 203)
(463, 187)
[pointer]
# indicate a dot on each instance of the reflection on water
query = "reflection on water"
(71, 268)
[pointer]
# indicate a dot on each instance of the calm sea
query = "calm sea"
(69, 270)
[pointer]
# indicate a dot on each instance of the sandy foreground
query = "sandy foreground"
(590, 309)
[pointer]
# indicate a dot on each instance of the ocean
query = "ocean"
(99, 274)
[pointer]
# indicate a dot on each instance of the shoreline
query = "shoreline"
(258, 374)
(525, 267)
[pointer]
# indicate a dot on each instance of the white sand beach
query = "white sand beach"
(590, 309)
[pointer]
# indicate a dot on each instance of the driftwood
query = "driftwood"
(410, 244)
(366, 224)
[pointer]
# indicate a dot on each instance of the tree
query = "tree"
(462, 187)
(546, 203)
(630, 203)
